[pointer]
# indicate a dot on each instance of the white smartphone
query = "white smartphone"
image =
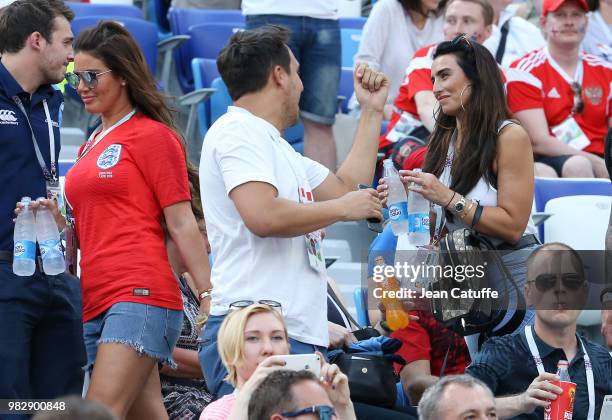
(310, 362)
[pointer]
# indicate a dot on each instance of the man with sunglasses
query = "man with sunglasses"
(287, 394)
(562, 96)
(41, 338)
(519, 368)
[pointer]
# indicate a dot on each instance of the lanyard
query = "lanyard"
(89, 145)
(604, 26)
(587, 366)
(49, 175)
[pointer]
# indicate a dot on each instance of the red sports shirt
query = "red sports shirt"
(417, 79)
(118, 192)
(537, 81)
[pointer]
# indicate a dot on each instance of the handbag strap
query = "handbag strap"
(338, 303)
(519, 314)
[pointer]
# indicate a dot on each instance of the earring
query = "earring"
(436, 120)
(123, 83)
(461, 96)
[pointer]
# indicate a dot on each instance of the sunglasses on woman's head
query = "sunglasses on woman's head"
(547, 282)
(241, 304)
(325, 412)
(463, 38)
(89, 78)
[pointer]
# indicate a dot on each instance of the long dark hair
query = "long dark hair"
(112, 43)
(484, 111)
(417, 6)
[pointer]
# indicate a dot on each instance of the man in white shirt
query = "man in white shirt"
(265, 203)
(520, 36)
(315, 42)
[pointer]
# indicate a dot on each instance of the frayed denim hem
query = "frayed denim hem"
(139, 349)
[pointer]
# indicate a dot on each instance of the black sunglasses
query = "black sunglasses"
(547, 282)
(241, 304)
(89, 77)
(325, 412)
(462, 38)
(578, 106)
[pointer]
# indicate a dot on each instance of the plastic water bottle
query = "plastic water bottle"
(48, 238)
(24, 238)
(562, 371)
(418, 218)
(397, 201)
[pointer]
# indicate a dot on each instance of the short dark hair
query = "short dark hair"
(246, 61)
(21, 18)
(275, 394)
(417, 6)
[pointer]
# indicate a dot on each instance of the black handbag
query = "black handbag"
(471, 315)
(371, 378)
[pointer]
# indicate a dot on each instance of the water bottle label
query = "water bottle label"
(398, 211)
(49, 248)
(418, 223)
(24, 250)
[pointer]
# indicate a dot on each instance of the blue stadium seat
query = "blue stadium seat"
(97, 10)
(346, 88)
(349, 38)
(360, 296)
(352, 22)
(546, 189)
(180, 22)
(204, 72)
(208, 39)
(143, 31)
(549, 188)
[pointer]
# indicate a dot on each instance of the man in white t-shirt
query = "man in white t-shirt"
(315, 42)
(265, 203)
(520, 36)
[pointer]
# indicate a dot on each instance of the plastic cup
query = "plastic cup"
(562, 408)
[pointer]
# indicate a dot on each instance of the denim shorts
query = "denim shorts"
(150, 330)
(316, 46)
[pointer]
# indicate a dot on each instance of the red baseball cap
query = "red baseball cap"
(552, 5)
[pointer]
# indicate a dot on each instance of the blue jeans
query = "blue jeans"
(41, 335)
(210, 360)
(149, 330)
(316, 46)
(516, 263)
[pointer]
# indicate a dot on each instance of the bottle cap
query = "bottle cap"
(562, 363)
(388, 162)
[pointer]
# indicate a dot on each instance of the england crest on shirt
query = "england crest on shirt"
(109, 157)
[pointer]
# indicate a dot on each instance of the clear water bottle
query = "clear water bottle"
(24, 238)
(48, 238)
(397, 200)
(418, 218)
(562, 371)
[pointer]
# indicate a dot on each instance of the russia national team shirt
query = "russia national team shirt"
(538, 81)
(118, 191)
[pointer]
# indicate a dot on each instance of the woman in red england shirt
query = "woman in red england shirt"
(129, 176)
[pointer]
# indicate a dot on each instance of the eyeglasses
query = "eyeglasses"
(325, 412)
(578, 102)
(241, 304)
(89, 77)
(545, 283)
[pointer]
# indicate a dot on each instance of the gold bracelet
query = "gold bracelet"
(204, 294)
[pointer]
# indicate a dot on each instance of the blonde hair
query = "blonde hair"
(230, 341)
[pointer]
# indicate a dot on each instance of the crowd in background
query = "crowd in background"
(197, 279)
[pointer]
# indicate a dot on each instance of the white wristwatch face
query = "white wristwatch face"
(459, 205)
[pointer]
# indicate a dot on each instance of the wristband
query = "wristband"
(449, 201)
(477, 215)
